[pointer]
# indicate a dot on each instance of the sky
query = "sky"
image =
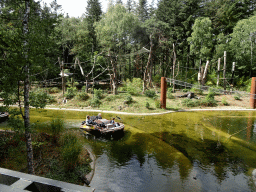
(75, 8)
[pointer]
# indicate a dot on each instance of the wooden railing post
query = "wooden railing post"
(163, 92)
(253, 90)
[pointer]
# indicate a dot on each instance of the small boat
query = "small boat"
(4, 116)
(102, 127)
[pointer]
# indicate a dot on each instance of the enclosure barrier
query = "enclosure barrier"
(253, 90)
(163, 93)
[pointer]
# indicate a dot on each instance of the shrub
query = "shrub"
(237, 97)
(150, 93)
(38, 98)
(169, 93)
(157, 79)
(157, 103)
(147, 105)
(209, 102)
(56, 127)
(70, 155)
(129, 99)
(224, 101)
(54, 90)
(71, 92)
(134, 87)
(82, 96)
(98, 93)
(95, 102)
(210, 95)
(190, 103)
(71, 149)
(185, 90)
(197, 90)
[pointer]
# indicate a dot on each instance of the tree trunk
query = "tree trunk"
(26, 95)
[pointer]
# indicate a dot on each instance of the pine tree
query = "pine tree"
(142, 10)
(93, 14)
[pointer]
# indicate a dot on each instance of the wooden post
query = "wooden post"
(252, 96)
(233, 73)
(163, 93)
(224, 70)
(218, 73)
(62, 78)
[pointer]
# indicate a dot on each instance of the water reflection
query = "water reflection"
(174, 152)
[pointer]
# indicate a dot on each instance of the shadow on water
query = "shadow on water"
(206, 153)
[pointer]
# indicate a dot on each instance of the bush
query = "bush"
(56, 127)
(54, 90)
(95, 102)
(224, 101)
(210, 95)
(185, 90)
(71, 149)
(38, 98)
(147, 105)
(237, 97)
(150, 93)
(157, 79)
(209, 102)
(197, 90)
(98, 93)
(70, 155)
(169, 93)
(129, 99)
(157, 103)
(190, 103)
(134, 87)
(82, 96)
(71, 92)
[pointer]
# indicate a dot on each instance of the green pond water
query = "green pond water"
(183, 151)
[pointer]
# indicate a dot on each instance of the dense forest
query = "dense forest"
(167, 38)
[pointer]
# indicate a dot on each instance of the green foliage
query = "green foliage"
(71, 149)
(224, 101)
(157, 103)
(150, 93)
(98, 93)
(170, 93)
(95, 102)
(39, 98)
(71, 92)
(129, 99)
(70, 155)
(197, 90)
(237, 96)
(210, 95)
(201, 38)
(190, 102)
(185, 90)
(82, 96)
(157, 79)
(147, 105)
(54, 90)
(209, 102)
(57, 127)
(133, 87)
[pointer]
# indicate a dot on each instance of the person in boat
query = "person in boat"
(88, 120)
(99, 116)
(113, 121)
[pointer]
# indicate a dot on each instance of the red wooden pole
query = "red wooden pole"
(253, 90)
(163, 93)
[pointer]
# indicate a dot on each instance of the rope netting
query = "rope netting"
(207, 88)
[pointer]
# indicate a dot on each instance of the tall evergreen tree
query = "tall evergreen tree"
(142, 10)
(93, 14)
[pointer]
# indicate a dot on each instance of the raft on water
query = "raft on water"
(102, 127)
